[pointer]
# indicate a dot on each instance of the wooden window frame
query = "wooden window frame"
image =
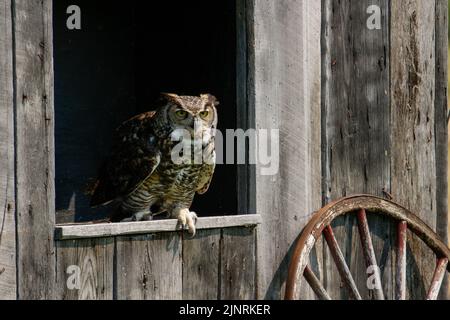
(245, 119)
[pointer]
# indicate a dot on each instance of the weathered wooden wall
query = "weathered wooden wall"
(35, 196)
(7, 208)
(284, 88)
(383, 109)
(380, 126)
(217, 264)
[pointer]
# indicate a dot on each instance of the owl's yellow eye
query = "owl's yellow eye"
(181, 114)
(204, 114)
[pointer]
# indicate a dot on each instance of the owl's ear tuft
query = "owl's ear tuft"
(210, 99)
(170, 97)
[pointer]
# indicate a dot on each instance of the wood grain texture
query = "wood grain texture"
(284, 84)
(413, 131)
(94, 258)
(201, 260)
(149, 267)
(83, 231)
(7, 192)
(355, 131)
(34, 148)
(245, 117)
(238, 264)
(441, 111)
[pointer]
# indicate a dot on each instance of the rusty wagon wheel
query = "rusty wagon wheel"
(359, 205)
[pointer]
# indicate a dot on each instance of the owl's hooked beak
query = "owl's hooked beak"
(197, 127)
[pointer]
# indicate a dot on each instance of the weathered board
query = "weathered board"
(216, 264)
(245, 118)
(238, 264)
(84, 231)
(201, 261)
(34, 148)
(84, 269)
(284, 90)
(356, 117)
(7, 207)
(149, 267)
(413, 135)
(441, 111)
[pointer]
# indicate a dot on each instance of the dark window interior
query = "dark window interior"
(116, 66)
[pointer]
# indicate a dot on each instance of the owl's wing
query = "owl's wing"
(206, 178)
(134, 158)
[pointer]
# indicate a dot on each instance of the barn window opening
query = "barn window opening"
(116, 64)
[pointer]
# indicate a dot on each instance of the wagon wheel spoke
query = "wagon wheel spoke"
(407, 223)
(315, 284)
(341, 265)
(369, 252)
(400, 275)
(438, 278)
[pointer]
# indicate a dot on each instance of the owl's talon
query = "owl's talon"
(192, 221)
(186, 219)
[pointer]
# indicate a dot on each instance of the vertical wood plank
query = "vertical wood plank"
(34, 148)
(149, 267)
(245, 116)
(201, 266)
(355, 131)
(441, 111)
(7, 193)
(93, 259)
(413, 96)
(284, 90)
(238, 264)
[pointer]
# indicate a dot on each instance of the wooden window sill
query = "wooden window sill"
(100, 230)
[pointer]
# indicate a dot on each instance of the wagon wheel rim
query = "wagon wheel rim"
(320, 224)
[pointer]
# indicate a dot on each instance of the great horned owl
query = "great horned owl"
(141, 174)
